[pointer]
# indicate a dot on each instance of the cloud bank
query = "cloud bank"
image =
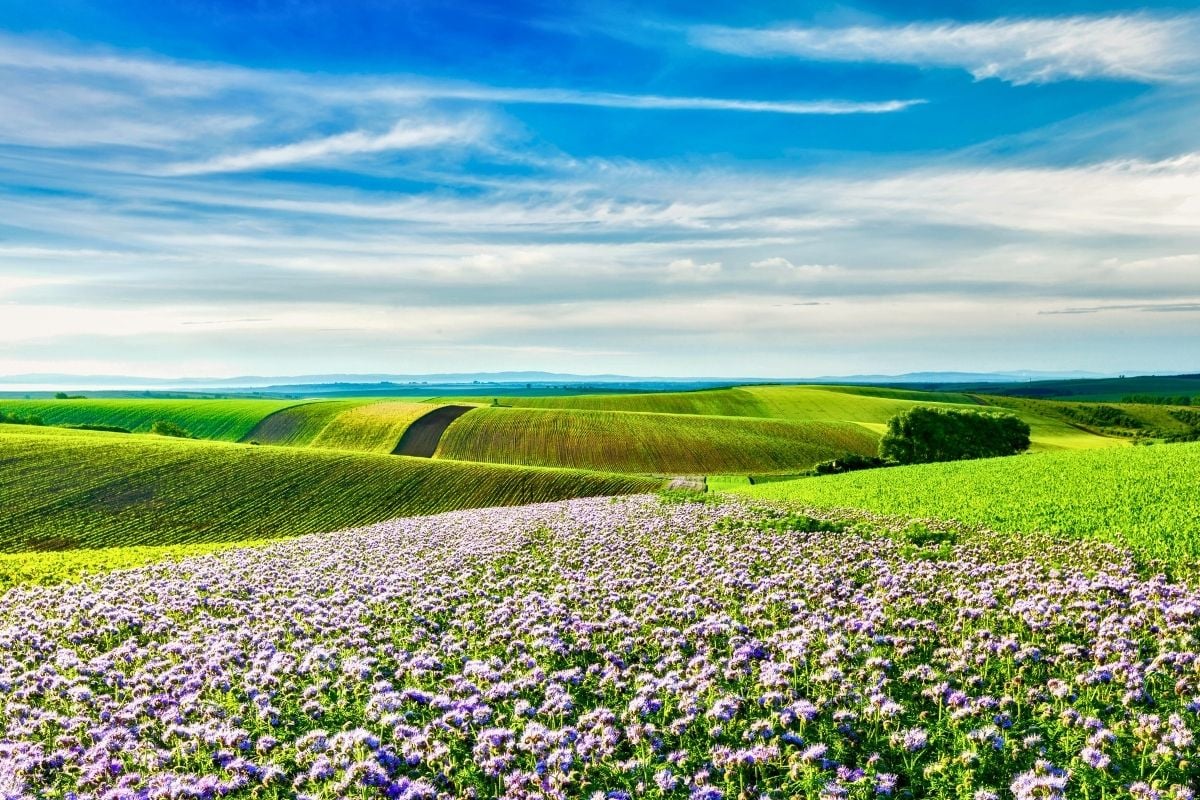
(1132, 47)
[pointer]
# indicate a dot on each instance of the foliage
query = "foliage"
(164, 427)
(665, 444)
(1164, 400)
(595, 649)
(924, 434)
(1132, 496)
(63, 489)
(1102, 416)
(848, 463)
(92, 427)
(11, 418)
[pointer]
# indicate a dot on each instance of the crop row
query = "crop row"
(226, 420)
(648, 443)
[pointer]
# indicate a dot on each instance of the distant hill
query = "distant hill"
(411, 384)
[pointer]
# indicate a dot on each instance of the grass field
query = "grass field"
(1143, 497)
(648, 443)
(225, 420)
(62, 489)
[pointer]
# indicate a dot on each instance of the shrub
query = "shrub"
(165, 427)
(924, 434)
(89, 426)
(848, 463)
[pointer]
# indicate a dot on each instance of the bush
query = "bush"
(848, 463)
(924, 434)
(164, 427)
(89, 426)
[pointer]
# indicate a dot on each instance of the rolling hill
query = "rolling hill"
(638, 442)
(224, 420)
(63, 489)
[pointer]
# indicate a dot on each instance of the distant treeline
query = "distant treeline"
(1162, 400)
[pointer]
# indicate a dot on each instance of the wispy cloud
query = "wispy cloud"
(1141, 307)
(404, 135)
(1137, 47)
(568, 97)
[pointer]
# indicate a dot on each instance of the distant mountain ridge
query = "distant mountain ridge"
(72, 381)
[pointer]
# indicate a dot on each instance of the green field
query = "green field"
(666, 444)
(299, 425)
(224, 420)
(1144, 497)
(62, 489)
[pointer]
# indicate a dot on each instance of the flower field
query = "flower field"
(607, 648)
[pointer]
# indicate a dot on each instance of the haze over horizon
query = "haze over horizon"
(208, 188)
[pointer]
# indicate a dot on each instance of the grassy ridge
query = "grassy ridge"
(63, 489)
(647, 443)
(226, 420)
(298, 425)
(1145, 497)
(372, 428)
(736, 402)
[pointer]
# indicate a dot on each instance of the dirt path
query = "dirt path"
(422, 437)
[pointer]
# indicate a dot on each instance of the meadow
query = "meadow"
(609, 650)
(1145, 498)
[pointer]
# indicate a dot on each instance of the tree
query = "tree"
(924, 434)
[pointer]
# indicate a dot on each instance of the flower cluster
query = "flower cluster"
(603, 648)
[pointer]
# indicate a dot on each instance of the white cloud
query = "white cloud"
(488, 94)
(404, 135)
(780, 264)
(685, 270)
(1136, 47)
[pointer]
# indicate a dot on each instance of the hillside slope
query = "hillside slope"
(868, 406)
(648, 443)
(62, 489)
(222, 419)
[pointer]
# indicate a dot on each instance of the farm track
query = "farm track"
(423, 436)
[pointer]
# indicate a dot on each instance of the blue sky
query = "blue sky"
(770, 189)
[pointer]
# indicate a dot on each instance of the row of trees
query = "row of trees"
(1162, 400)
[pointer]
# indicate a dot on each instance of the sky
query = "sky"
(772, 189)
